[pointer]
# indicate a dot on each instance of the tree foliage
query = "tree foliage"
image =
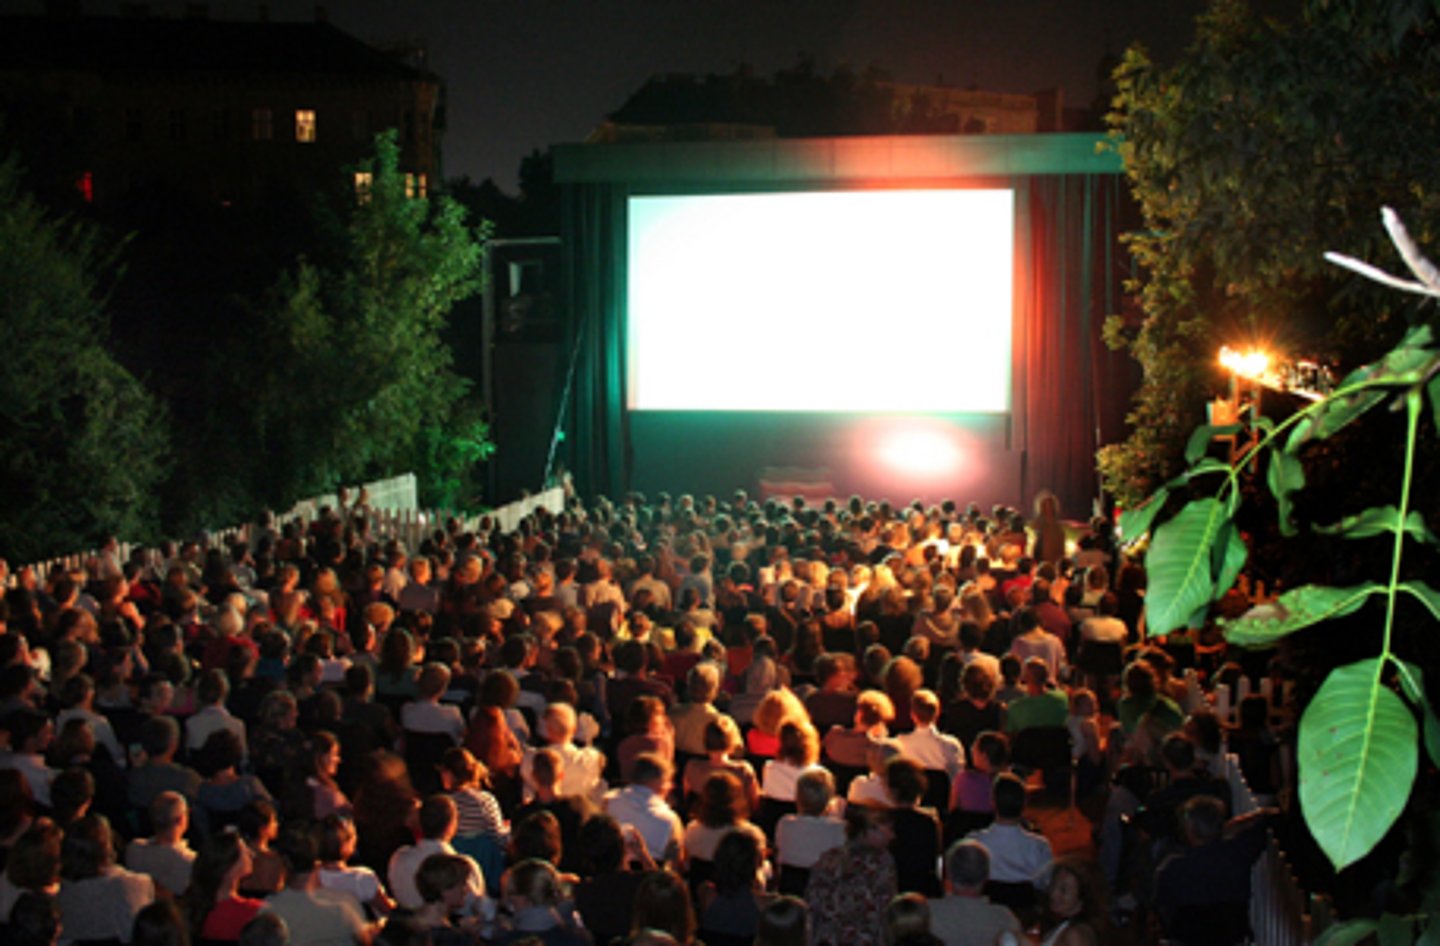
(83, 445)
(1266, 144)
(1359, 741)
(355, 378)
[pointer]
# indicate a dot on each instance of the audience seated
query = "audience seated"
(325, 669)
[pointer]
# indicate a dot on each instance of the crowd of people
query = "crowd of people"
(664, 721)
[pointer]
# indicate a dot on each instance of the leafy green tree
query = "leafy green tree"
(351, 373)
(1266, 144)
(83, 445)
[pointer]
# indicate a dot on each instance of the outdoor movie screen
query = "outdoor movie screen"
(850, 301)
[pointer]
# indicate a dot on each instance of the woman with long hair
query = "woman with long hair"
(385, 809)
(663, 903)
(1075, 908)
(722, 809)
(213, 904)
(322, 792)
(491, 740)
(98, 899)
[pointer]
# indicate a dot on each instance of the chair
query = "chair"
(844, 775)
(423, 754)
(1045, 749)
(699, 872)
(937, 790)
(793, 880)
(1019, 897)
(486, 852)
(768, 815)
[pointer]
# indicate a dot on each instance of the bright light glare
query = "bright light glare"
(1251, 364)
(782, 302)
(920, 453)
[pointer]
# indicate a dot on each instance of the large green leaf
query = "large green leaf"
(1337, 412)
(1297, 608)
(1427, 596)
(1357, 758)
(1227, 558)
(1284, 475)
(1379, 520)
(1134, 522)
(1204, 435)
(1179, 567)
(1412, 681)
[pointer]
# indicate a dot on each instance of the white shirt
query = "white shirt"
(405, 864)
(170, 864)
(422, 716)
(359, 882)
(801, 839)
(933, 750)
(655, 820)
(34, 771)
(209, 720)
(584, 771)
(1016, 855)
(777, 779)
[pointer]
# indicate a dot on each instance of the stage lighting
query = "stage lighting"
(920, 453)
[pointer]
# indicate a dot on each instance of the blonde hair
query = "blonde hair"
(776, 708)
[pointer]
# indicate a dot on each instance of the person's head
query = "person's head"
(775, 708)
(906, 915)
(279, 710)
(872, 709)
(258, 822)
(438, 818)
(222, 860)
(1037, 675)
(1140, 682)
(784, 921)
(1076, 891)
(602, 845)
(722, 735)
(298, 849)
(924, 707)
(905, 780)
(169, 814)
(1178, 754)
(1202, 820)
(967, 867)
(336, 839)
(532, 883)
(443, 879)
(814, 791)
(34, 921)
(662, 902)
(213, 688)
(1083, 702)
(737, 862)
(702, 683)
(652, 771)
(873, 827)
(433, 681)
(799, 743)
(34, 861)
(722, 801)
(1008, 793)
(266, 929)
(537, 836)
(160, 924)
(88, 849)
(559, 723)
(221, 751)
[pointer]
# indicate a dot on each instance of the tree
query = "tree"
(1266, 144)
(1360, 734)
(83, 445)
(355, 378)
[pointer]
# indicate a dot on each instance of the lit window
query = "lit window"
(305, 125)
(416, 185)
(262, 124)
(364, 180)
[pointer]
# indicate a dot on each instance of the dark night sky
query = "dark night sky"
(524, 74)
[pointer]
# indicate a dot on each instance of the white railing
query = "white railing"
(1277, 901)
(394, 514)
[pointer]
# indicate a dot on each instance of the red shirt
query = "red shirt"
(229, 917)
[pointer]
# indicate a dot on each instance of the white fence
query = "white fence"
(394, 513)
(1277, 902)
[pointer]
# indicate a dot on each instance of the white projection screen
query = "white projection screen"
(851, 301)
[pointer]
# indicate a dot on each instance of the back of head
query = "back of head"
(967, 865)
(1009, 796)
(298, 847)
(438, 816)
(785, 921)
